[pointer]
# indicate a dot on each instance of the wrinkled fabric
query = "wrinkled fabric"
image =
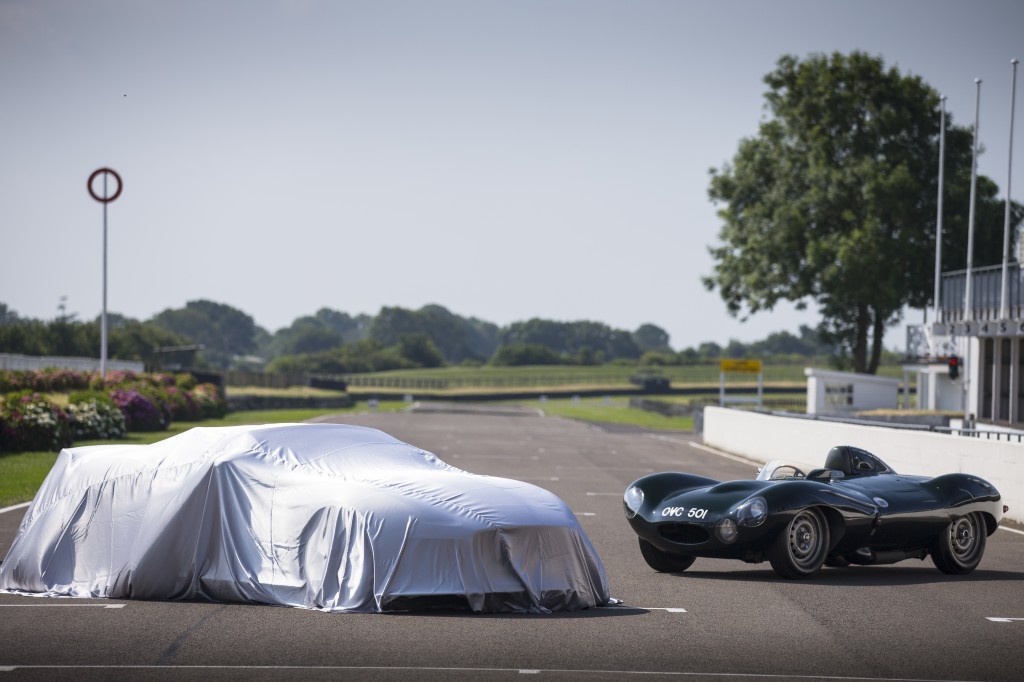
(320, 516)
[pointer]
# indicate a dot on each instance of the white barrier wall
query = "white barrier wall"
(763, 437)
(12, 361)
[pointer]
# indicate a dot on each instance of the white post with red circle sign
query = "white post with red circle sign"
(104, 199)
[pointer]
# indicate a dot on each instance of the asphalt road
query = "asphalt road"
(720, 620)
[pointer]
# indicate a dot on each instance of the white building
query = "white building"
(987, 337)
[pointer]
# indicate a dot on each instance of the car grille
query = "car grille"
(684, 533)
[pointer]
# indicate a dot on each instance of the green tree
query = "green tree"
(569, 338)
(134, 340)
(834, 200)
(7, 315)
(350, 328)
(651, 337)
(457, 338)
(419, 349)
(305, 335)
(519, 354)
(224, 331)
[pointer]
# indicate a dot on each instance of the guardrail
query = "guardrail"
(987, 434)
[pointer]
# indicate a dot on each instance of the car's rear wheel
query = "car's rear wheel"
(664, 561)
(959, 549)
(800, 549)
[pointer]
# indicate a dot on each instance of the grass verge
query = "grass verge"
(610, 411)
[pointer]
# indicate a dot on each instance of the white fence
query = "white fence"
(763, 437)
(11, 361)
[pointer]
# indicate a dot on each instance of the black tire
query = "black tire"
(959, 549)
(800, 549)
(664, 562)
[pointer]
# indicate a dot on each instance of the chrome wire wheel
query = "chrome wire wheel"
(799, 550)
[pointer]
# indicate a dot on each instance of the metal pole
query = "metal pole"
(938, 218)
(1004, 301)
(968, 302)
(103, 316)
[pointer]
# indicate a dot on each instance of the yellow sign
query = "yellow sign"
(748, 366)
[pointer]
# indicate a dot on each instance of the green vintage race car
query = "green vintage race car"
(853, 510)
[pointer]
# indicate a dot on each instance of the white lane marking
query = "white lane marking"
(1003, 620)
(17, 506)
(585, 514)
(1012, 530)
(529, 671)
(95, 606)
(596, 494)
(666, 609)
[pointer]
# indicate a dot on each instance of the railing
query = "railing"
(986, 290)
(14, 361)
(1010, 436)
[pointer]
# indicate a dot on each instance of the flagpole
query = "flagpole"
(968, 302)
(1004, 301)
(938, 218)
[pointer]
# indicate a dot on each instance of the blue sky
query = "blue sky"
(506, 160)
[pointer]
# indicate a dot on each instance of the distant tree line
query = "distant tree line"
(334, 342)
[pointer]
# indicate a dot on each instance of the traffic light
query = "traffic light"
(954, 366)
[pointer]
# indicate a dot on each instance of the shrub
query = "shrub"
(182, 405)
(211, 403)
(53, 380)
(140, 413)
(95, 418)
(114, 378)
(28, 421)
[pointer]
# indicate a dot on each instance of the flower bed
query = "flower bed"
(122, 402)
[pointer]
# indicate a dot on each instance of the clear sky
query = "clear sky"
(506, 160)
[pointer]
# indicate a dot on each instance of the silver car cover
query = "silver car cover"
(321, 516)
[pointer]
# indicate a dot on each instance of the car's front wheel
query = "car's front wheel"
(959, 549)
(800, 549)
(664, 561)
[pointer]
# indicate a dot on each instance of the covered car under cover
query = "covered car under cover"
(321, 516)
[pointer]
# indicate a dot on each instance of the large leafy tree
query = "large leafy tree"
(224, 331)
(578, 339)
(457, 338)
(834, 200)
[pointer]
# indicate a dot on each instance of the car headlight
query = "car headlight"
(633, 499)
(726, 530)
(752, 513)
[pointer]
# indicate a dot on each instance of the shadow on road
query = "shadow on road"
(860, 576)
